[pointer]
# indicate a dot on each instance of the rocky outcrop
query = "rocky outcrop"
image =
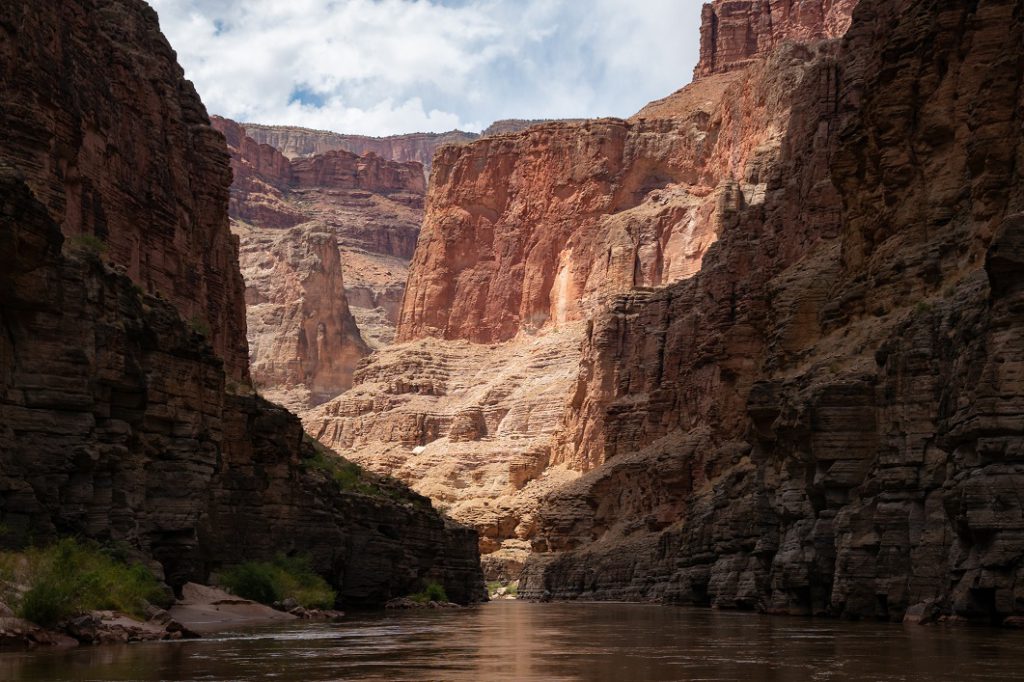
(292, 217)
(119, 421)
(734, 33)
(827, 419)
(303, 340)
(149, 189)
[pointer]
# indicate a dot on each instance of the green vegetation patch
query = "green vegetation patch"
(50, 584)
(433, 591)
(283, 578)
(349, 476)
(511, 588)
(88, 245)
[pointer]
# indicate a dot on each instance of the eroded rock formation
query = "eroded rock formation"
(118, 420)
(301, 223)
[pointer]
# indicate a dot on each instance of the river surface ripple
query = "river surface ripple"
(552, 642)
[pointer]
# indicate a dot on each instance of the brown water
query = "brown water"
(523, 641)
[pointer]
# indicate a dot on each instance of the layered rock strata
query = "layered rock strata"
(151, 187)
(526, 237)
(301, 223)
(119, 421)
(733, 34)
(828, 418)
(295, 142)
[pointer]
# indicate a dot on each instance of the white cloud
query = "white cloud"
(381, 67)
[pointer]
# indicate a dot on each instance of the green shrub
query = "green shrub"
(200, 326)
(71, 577)
(87, 245)
(283, 578)
(433, 591)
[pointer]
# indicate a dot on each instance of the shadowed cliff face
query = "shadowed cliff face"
(150, 186)
(119, 419)
(828, 417)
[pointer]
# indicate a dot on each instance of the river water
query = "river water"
(551, 642)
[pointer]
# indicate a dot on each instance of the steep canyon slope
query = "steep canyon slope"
(829, 417)
(125, 414)
(526, 237)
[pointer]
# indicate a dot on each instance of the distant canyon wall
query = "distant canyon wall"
(302, 222)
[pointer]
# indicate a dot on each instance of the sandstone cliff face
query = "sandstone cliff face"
(118, 420)
(293, 217)
(827, 419)
(526, 237)
(151, 187)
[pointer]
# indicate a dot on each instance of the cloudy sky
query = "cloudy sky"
(382, 67)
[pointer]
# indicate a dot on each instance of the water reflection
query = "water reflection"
(521, 641)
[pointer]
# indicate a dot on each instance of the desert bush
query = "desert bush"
(282, 578)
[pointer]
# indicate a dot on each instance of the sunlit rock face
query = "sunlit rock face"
(733, 34)
(325, 246)
(125, 411)
(529, 239)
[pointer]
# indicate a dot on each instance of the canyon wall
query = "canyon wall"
(828, 418)
(119, 419)
(526, 238)
(150, 187)
(301, 223)
(295, 142)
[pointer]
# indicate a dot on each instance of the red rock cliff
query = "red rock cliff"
(734, 32)
(534, 230)
(152, 187)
